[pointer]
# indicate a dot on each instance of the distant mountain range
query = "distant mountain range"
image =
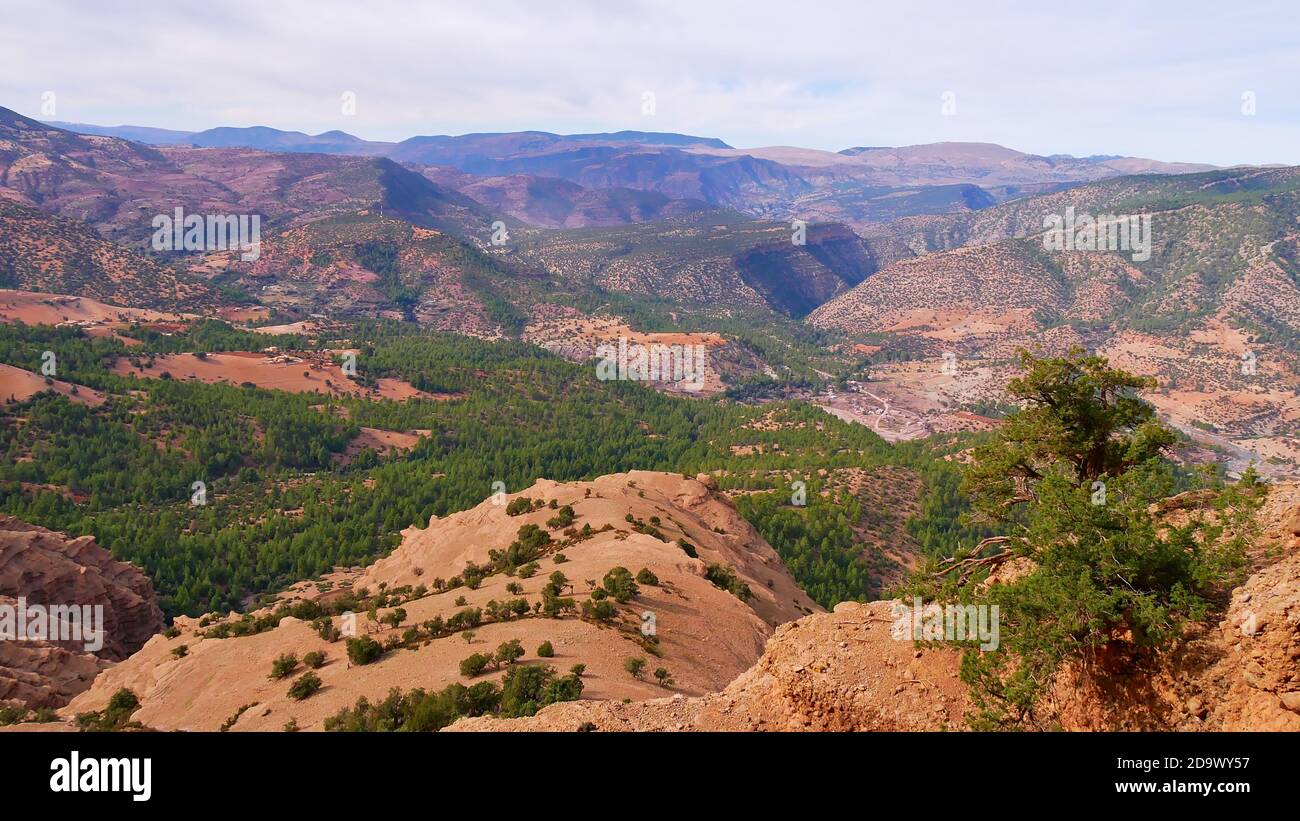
(118, 185)
(932, 163)
(859, 186)
(340, 142)
(643, 212)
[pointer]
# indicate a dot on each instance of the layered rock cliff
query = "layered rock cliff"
(42, 567)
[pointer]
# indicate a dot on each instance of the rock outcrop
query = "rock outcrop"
(837, 671)
(845, 671)
(706, 635)
(43, 567)
(1255, 685)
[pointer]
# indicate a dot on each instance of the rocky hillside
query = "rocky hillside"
(119, 186)
(844, 671)
(702, 556)
(549, 202)
(48, 568)
(713, 258)
(43, 252)
(1213, 313)
(1222, 244)
(363, 264)
(1137, 190)
(837, 671)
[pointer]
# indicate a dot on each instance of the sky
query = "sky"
(1173, 81)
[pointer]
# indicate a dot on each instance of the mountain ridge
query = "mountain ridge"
(858, 185)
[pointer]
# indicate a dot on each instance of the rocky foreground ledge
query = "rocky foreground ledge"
(844, 671)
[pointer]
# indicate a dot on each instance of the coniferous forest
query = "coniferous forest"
(279, 504)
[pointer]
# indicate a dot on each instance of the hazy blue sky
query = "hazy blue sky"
(1163, 80)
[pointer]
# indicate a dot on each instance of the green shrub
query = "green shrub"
(619, 584)
(284, 664)
(519, 506)
(474, 665)
(529, 687)
(562, 519)
(116, 716)
(364, 650)
(306, 686)
(726, 578)
(509, 652)
(599, 610)
(324, 627)
(634, 665)
(417, 711)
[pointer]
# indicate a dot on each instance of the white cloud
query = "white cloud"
(1161, 80)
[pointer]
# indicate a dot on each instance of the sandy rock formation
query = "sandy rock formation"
(37, 674)
(44, 567)
(707, 636)
(844, 671)
(1257, 679)
(825, 671)
(834, 671)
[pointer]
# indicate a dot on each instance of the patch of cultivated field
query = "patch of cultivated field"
(911, 400)
(380, 441)
(291, 328)
(17, 385)
(245, 314)
(953, 325)
(577, 337)
(34, 308)
(590, 332)
(276, 372)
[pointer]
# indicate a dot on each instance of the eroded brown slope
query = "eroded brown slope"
(833, 671)
(845, 671)
(707, 636)
(119, 186)
(44, 252)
